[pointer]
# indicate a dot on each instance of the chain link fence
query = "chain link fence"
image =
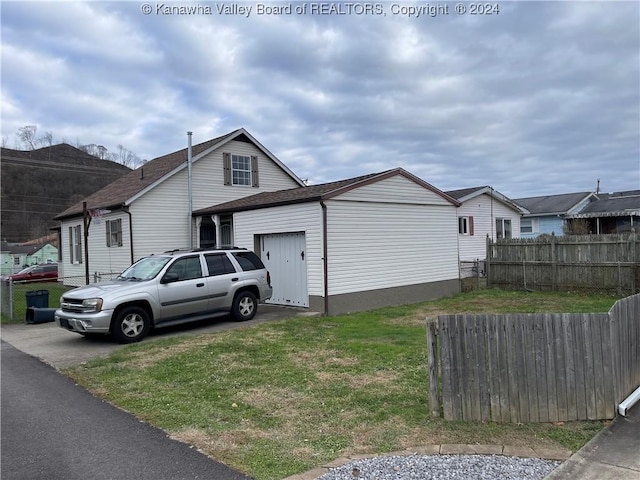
(473, 275)
(17, 297)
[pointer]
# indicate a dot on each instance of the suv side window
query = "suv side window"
(219, 264)
(186, 268)
(248, 260)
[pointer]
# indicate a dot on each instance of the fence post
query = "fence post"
(634, 260)
(488, 261)
(11, 299)
(554, 263)
(432, 360)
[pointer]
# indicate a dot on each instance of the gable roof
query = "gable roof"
(616, 204)
(25, 249)
(147, 176)
(465, 194)
(553, 204)
(313, 193)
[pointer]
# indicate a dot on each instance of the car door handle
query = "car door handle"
(200, 285)
(234, 279)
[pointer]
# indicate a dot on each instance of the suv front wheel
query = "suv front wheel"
(244, 306)
(131, 325)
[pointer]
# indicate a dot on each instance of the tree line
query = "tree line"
(27, 138)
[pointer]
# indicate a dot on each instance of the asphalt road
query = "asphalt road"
(53, 429)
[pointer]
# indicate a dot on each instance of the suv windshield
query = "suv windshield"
(144, 269)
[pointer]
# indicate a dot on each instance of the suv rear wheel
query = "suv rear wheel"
(131, 325)
(244, 306)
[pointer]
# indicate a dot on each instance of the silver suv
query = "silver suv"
(168, 289)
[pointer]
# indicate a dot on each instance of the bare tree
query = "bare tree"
(46, 140)
(27, 135)
(125, 157)
(26, 138)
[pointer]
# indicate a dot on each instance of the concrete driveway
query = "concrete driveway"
(60, 348)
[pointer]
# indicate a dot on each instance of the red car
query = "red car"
(47, 272)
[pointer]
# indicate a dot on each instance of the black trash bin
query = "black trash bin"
(37, 298)
(40, 315)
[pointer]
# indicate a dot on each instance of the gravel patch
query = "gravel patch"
(443, 467)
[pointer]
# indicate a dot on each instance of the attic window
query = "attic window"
(241, 170)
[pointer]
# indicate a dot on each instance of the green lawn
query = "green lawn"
(55, 290)
(280, 398)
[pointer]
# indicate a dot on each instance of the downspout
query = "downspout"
(325, 259)
(85, 223)
(189, 192)
(126, 210)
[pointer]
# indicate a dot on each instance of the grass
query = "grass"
(283, 397)
(55, 290)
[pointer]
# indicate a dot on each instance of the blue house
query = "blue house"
(617, 212)
(548, 213)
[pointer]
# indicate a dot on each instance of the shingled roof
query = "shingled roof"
(552, 204)
(616, 204)
(311, 193)
(118, 193)
(464, 194)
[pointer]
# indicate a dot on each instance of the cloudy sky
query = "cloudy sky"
(533, 98)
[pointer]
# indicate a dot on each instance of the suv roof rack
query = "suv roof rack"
(203, 249)
(222, 247)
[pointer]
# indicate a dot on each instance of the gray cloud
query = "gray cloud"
(542, 98)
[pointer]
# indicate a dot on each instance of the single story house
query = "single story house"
(484, 212)
(382, 239)
(547, 213)
(617, 212)
(150, 209)
(18, 256)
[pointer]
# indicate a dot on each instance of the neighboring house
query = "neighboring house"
(382, 239)
(547, 213)
(484, 212)
(6, 260)
(16, 257)
(150, 210)
(617, 212)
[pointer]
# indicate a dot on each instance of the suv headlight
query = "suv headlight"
(92, 305)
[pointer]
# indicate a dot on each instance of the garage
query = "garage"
(377, 240)
(284, 256)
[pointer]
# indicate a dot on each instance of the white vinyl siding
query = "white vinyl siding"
(161, 220)
(380, 245)
(397, 189)
(484, 211)
(305, 217)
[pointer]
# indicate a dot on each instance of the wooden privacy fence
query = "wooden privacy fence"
(534, 367)
(606, 263)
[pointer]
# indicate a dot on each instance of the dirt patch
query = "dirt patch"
(319, 359)
(149, 357)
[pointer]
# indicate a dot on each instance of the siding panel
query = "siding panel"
(484, 211)
(379, 245)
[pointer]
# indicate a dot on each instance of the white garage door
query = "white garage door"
(284, 255)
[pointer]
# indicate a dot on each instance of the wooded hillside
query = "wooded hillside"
(39, 184)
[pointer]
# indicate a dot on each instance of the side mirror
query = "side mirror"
(170, 278)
